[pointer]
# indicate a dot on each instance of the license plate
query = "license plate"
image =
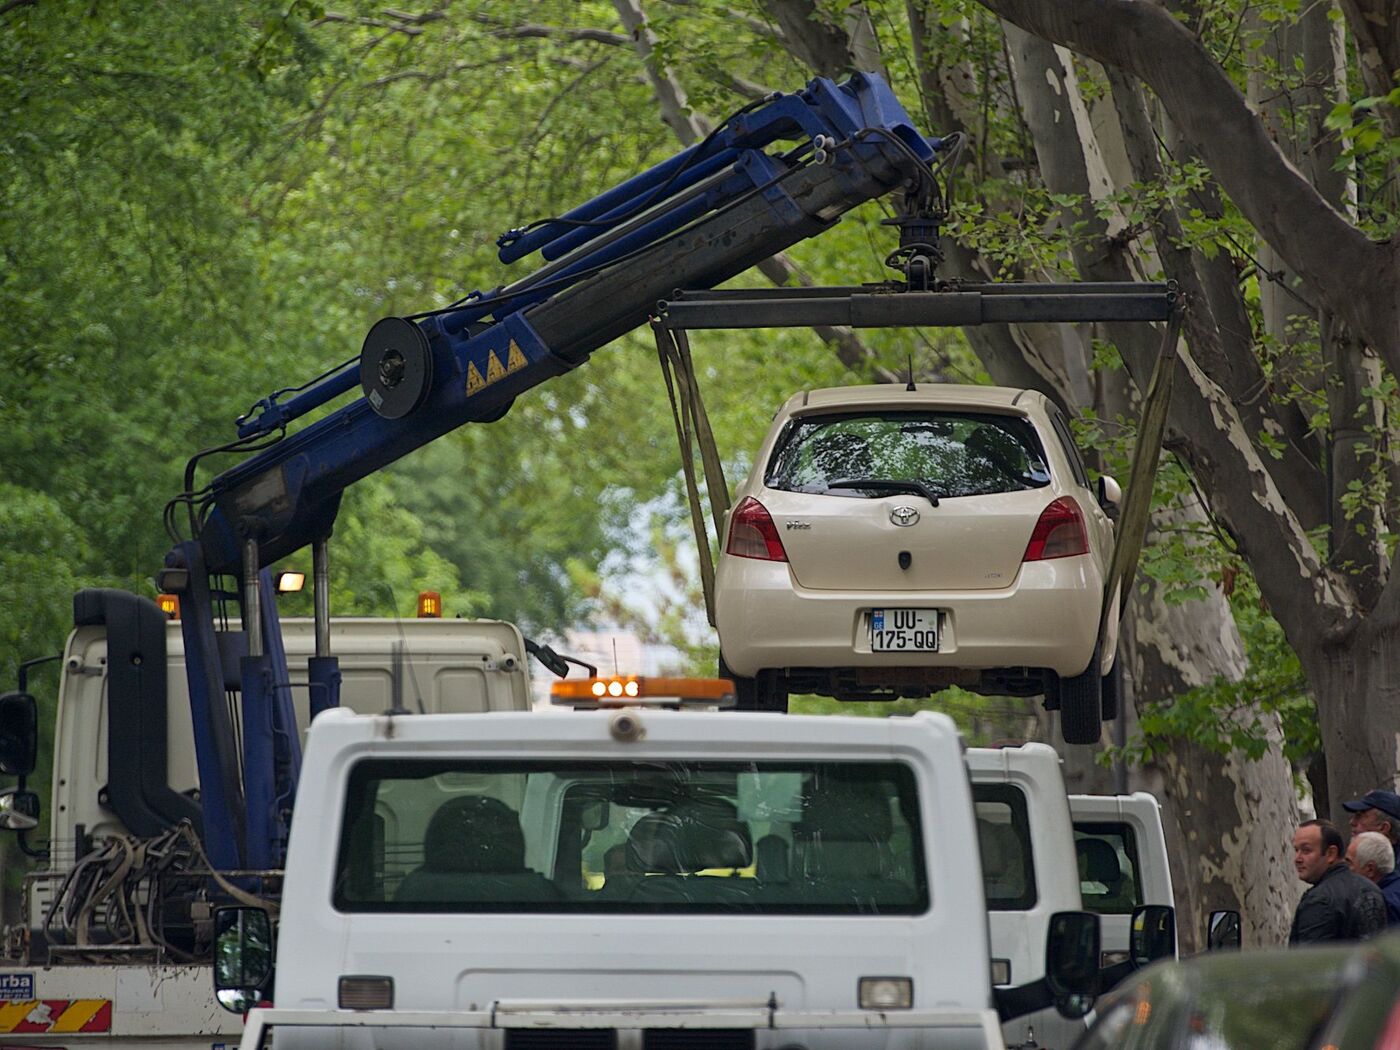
(904, 630)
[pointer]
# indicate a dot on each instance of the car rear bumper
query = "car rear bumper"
(1048, 619)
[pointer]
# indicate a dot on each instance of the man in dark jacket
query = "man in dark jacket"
(1341, 906)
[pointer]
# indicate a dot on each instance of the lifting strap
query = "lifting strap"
(1137, 503)
(692, 429)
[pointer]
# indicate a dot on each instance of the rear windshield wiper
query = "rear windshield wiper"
(918, 488)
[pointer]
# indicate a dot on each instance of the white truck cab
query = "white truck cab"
(638, 878)
(123, 760)
(449, 665)
(1122, 856)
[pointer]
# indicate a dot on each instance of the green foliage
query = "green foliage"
(1234, 716)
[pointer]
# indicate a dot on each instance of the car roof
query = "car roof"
(924, 395)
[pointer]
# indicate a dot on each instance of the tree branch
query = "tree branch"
(850, 349)
(812, 38)
(527, 30)
(406, 28)
(1310, 235)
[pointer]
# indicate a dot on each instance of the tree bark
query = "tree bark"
(1375, 26)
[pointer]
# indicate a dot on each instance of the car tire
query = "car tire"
(1111, 699)
(1081, 704)
(765, 692)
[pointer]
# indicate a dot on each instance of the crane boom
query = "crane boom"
(705, 221)
(692, 222)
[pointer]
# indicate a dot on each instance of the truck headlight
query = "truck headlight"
(366, 993)
(885, 993)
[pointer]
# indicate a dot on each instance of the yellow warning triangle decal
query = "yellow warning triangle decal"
(474, 380)
(494, 369)
(515, 360)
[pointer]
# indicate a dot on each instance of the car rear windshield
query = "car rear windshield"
(950, 453)
(830, 838)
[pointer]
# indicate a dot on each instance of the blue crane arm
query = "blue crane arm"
(691, 222)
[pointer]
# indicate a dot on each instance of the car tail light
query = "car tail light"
(752, 533)
(1059, 533)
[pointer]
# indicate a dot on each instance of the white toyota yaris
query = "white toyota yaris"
(892, 542)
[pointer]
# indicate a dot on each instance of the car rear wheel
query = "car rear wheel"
(1081, 704)
(766, 692)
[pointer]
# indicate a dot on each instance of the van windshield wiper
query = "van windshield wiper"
(918, 488)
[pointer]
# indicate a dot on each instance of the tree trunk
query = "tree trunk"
(1228, 821)
(1357, 684)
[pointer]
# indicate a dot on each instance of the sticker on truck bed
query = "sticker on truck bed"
(17, 986)
(56, 1015)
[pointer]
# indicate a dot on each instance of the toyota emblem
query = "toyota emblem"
(904, 516)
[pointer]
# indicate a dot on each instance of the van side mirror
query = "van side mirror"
(1109, 492)
(1152, 934)
(19, 810)
(19, 734)
(1072, 961)
(242, 957)
(1223, 932)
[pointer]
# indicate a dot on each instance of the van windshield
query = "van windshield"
(685, 837)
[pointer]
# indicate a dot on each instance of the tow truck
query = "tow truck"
(638, 873)
(777, 171)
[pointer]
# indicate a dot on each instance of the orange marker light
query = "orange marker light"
(170, 605)
(619, 690)
(429, 605)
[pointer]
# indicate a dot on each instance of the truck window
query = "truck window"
(1110, 878)
(827, 838)
(1004, 835)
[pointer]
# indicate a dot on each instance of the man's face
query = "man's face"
(1369, 820)
(1365, 870)
(1308, 859)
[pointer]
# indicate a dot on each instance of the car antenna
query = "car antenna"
(910, 385)
(396, 682)
(614, 645)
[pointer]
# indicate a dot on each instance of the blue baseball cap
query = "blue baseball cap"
(1388, 802)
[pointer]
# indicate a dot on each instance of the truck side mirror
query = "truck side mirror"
(19, 734)
(1223, 931)
(19, 810)
(1108, 491)
(242, 957)
(1152, 934)
(1072, 961)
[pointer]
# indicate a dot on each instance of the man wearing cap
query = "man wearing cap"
(1377, 810)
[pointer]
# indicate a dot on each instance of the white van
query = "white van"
(643, 878)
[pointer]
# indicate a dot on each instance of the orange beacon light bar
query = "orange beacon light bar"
(624, 690)
(429, 605)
